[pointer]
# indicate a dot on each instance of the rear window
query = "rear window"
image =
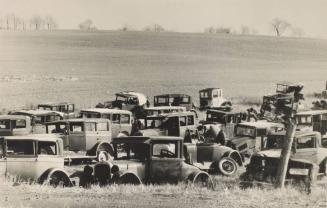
(20, 147)
(46, 148)
(19, 124)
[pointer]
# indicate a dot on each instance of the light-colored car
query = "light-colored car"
(89, 135)
(121, 120)
(213, 98)
(68, 109)
(178, 124)
(173, 100)
(33, 157)
(313, 120)
(13, 125)
(39, 118)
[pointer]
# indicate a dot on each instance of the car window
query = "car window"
(20, 147)
(153, 123)
(182, 121)
(76, 127)
(306, 142)
(46, 148)
(215, 94)
(204, 95)
(115, 118)
(190, 120)
(106, 116)
(89, 126)
(103, 126)
(91, 115)
(186, 100)
(70, 108)
(165, 150)
(18, 124)
(245, 131)
(124, 119)
(1, 148)
(4, 124)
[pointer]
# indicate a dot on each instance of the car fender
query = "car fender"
(46, 176)
(130, 178)
(97, 146)
(235, 155)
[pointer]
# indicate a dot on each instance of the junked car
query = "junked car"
(249, 136)
(307, 153)
(174, 100)
(212, 98)
(155, 160)
(39, 118)
(14, 125)
(89, 137)
(121, 120)
(178, 124)
(33, 158)
(68, 109)
(127, 100)
(213, 158)
(220, 123)
(314, 120)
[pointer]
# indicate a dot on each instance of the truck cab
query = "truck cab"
(212, 98)
(173, 100)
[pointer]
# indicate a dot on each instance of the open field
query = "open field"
(89, 67)
(226, 194)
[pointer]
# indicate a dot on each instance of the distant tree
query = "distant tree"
(279, 26)
(36, 22)
(50, 23)
(217, 30)
(154, 28)
(87, 25)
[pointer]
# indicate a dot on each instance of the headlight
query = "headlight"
(298, 171)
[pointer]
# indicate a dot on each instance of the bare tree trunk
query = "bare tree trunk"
(286, 152)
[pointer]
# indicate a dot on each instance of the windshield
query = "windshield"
(151, 123)
(4, 124)
(304, 119)
(216, 117)
(136, 151)
(245, 131)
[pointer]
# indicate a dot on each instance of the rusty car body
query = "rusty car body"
(249, 136)
(155, 160)
(307, 153)
(92, 136)
(33, 158)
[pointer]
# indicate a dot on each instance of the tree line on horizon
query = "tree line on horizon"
(13, 22)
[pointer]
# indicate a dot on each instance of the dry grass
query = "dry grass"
(226, 194)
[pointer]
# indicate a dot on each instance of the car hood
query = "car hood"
(152, 132)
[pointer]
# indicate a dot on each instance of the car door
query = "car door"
(115, 124)
(77, 136)
(165, 168)
(2, 158)
(172, 125)
(21, 158)
(306, 148)
(103, 131)
(125, 123)
(91, 135)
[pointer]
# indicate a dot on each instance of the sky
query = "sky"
(178, 15)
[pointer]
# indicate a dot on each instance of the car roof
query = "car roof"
(80, 120)
(261, 124)
(38, 112)
(13, 117)
(166, 108)
(142, 139)
(54, 103)
(173, 95)
(311, 112)
(297, 133)
(141, 97)
(34, 137)
(210, 89)
(163, 115)
(106, 110)
(224, 112)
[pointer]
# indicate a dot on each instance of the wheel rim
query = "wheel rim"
(228, 166)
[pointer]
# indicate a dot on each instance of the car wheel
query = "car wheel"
(103, 156)
(58, 180)
(227, 166)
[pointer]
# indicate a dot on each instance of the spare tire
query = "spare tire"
(227, 166)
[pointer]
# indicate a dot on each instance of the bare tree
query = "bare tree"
(87, 25)
(50, 22)
(36, 22)
(279, 26)
(154, 28)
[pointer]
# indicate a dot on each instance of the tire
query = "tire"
(59, 179)
(227, 166)
(104, 154)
